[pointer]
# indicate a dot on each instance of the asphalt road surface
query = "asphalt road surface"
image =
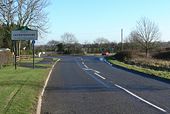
(89, 85)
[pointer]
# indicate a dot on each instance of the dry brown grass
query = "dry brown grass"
(150, 63)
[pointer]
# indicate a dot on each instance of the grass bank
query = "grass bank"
(159, 73)
(19, 89)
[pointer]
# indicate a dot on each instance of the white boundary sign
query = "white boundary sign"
(25, 35)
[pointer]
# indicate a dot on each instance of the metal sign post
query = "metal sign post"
(15, 54)
(33, 53)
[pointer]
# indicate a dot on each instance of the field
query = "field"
(19, 89)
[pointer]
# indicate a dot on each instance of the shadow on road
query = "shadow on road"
(80, 88)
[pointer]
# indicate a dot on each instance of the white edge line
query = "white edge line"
(147, 102)
(100, 76)
(38, 110)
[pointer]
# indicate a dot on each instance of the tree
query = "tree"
(31, 13)
(68, 38)
(60, 48)
(53, 45)
(70, 42)
(102, 43)
(131, 42)
(101, 40)
(147, 34)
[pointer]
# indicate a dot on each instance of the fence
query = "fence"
(6, 57)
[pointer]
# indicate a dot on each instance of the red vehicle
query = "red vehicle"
(105, 53)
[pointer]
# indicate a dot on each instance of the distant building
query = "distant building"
(4, 49)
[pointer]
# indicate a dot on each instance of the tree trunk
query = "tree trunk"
(146, 51)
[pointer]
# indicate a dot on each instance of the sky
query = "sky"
(91, 19)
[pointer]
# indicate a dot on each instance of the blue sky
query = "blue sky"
(90, 19)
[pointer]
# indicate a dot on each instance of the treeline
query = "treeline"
(111, 47)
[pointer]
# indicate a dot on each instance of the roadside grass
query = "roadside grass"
(19, 89)
(159, 73)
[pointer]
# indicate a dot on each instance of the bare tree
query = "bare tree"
(70, 43)
(68, 38)
(101, 40)
(102, 44)
(7, 12)
(53, 45)
(31, 13)
(131, 42)
(146, 34)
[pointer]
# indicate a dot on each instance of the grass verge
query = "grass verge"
(162, 74)
(19, 89)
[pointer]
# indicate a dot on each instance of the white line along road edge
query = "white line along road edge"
(38, 111)
(147, 102)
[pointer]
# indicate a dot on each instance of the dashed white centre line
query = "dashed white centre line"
(100, 76)
(147, 102)
(96, 71)
(85, 66)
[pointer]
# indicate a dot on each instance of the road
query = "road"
(89, 85)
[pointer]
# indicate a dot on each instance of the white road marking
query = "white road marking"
(96, 71)
(86, 66)
(147, 102)
(100, 76)
(98, 80)
(85, 69)
(83, 63)
(107, 62)
(91, 70)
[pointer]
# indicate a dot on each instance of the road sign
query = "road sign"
(25, 35)
(33, 42)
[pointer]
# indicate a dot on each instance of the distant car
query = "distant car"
(105, 53)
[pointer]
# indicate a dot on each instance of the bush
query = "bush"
(26, 52)
(162, 55)
(124, 55)
(5, 58)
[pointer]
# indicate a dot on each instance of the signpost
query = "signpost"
(15, 53)
(25, 35)
(33, 42)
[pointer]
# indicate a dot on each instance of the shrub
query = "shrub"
(162, 55)
(124, 55)
(26, 52)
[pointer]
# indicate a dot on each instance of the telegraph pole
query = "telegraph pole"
(121, 39)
